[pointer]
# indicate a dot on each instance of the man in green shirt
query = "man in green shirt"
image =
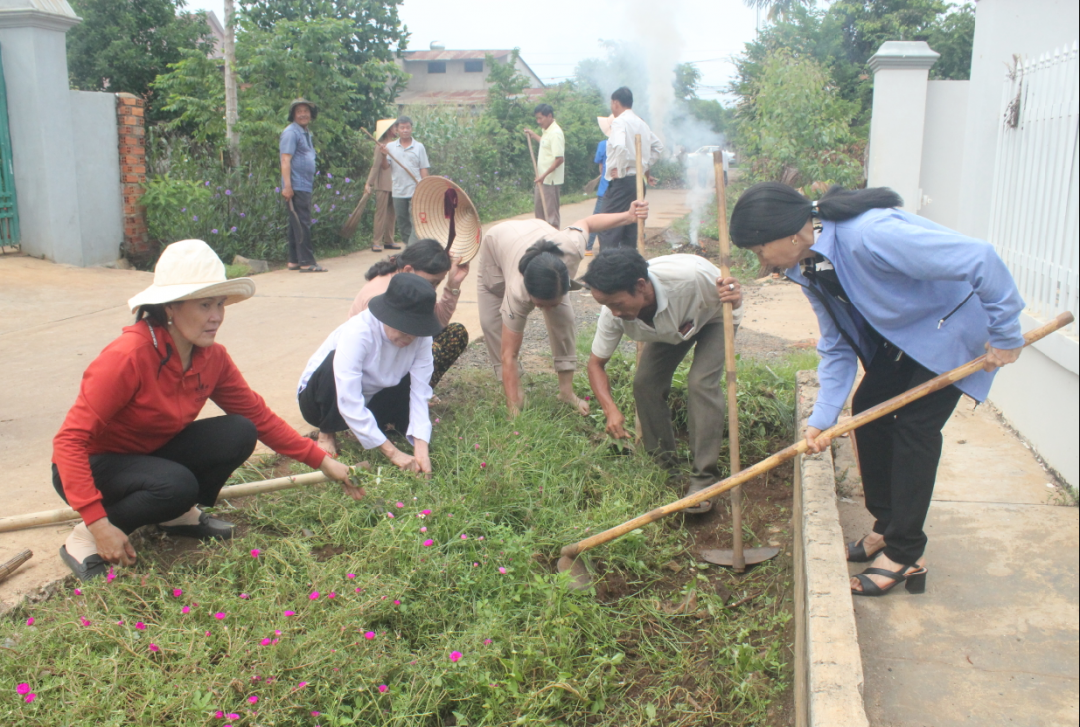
(549, 165)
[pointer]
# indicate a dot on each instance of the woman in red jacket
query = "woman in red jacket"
(130, 452)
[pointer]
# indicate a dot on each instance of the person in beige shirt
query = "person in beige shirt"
(550, 169)
(528, 264)
(381, 181)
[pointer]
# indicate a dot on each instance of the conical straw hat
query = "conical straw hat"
(430, 219)
(604, 122)
(381, 127)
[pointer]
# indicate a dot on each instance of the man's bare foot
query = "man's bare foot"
(328, 443)
(885, 563)
(581, 405)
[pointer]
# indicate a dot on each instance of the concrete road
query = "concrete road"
(55, 319)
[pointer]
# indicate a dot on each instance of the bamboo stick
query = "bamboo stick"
(48, 517)
(15, 563)
(738, 561)
(392, 157)
(640, 181)
(886, 407)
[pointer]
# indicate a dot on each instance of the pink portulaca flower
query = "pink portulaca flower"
(455, 656)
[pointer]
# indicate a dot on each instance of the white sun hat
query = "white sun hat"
(187, 270)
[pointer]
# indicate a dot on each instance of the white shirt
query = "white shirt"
(620, 145)
(685, 287)
(367, 362)
(414, 158)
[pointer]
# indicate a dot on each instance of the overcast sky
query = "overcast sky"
(707, 32)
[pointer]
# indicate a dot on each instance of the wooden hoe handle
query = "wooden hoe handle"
(938, 382)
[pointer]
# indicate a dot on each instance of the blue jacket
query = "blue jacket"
(935, 294)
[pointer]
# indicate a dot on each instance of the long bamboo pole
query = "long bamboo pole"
(640, 180)
(48, 517)
(738, 561)
(15, 563)
(886, 407)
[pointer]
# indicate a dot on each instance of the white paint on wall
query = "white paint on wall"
(97, 173)
(943, 151)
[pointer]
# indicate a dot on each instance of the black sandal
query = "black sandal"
(915, 581)
(314, 269)
(856, 552)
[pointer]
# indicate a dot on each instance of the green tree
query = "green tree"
(795, 127)
(687, 78)
(778, 9)
(576, 109)
(952, 36)
(124, 46)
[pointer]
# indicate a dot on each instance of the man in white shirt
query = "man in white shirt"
(622, 164)
(549, 166)
(410, 154)
(672, 303)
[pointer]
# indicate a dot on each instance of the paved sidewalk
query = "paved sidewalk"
(55, 319)
(994, 640)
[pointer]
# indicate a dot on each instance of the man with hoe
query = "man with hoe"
(672, 303)
(622, 164)
(408, 167)
(549, 166)
(297, 182)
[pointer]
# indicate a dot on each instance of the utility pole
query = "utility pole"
(231, 133)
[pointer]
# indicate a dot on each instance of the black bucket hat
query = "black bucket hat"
(303, 102)
(407, 305)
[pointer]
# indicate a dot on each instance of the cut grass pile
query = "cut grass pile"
(431, 603)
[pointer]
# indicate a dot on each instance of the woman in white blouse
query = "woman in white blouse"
(373, 373)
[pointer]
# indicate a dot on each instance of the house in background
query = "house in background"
(440, 77)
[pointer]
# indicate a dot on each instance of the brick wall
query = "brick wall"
(131, 126)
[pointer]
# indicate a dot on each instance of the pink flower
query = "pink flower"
(475, 564)
(255, 552)
(314, 596)
(369, 635)
(219, 615)
(483, 465)
(350, 575)
(397, 602)
(78, 592)
(219, 714)
(428, 543)
(464, 536)
(315, 713)
(30, 621)
(399, 504)
(516, 433)
(177, 592)
(265, 642)
(244, 596)
(480, 538)
(85, 621)
(390, 515)
(437, 420)
(425, 512)
(23, 688)
(277, 632)
(455, 656)
(301, 685)
(185, 609)
(331, 594)
(253, 699)
(110, 576)
(476, 446)
(383, 689)
(487, 642)
(290, 613)
(154, 648)
(423, 529)
(30, 697)
(140, 626)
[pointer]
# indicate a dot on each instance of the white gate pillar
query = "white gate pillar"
(900, 69)
(33, 41)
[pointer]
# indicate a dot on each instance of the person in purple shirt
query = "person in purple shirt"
(601, 159)
(908, 298)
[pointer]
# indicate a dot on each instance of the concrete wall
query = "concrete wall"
(455, 78)
(943, 151)
(1039, 396)
(97, 174)
(1002, 28)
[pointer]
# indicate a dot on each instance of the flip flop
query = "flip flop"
(314, 269)
(376, 249)
(702, 507)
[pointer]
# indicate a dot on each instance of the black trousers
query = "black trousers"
(899, 453)
(318, 402)
(142, 489)
(620, 193)
(301, 251)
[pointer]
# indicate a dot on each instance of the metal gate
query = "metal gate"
(9, 208)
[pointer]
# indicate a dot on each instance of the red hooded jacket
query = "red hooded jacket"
(135, 397)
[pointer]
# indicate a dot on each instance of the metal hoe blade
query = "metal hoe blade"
(753, 556)
(581, 578)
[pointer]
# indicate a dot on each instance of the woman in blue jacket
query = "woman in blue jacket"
(908, 298)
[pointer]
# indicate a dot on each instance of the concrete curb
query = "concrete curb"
(828, 663)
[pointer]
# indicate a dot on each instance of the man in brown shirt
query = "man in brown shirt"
(380, 180)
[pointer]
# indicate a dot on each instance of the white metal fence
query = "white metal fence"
(1034, 208)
